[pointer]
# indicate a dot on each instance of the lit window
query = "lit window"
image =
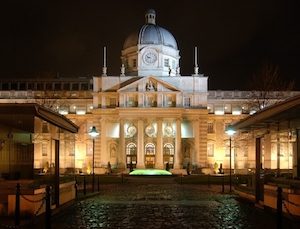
(210, 149)
(166, 63)
(210, 128)
(187, 101)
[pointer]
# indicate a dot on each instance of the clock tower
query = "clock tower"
(151, 51)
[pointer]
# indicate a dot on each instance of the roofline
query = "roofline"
(267, 112)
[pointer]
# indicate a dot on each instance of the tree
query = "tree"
(267, 87)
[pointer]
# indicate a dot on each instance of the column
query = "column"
(140, 146)
(267, 153)
(195, 157)
(177, 159)
(159, 149)
(122, 154)
(104, 156)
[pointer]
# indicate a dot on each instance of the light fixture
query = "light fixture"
(93, 133)
(230, 131)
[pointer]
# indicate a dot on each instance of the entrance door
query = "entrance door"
(149, 155)
(169, 155)
(131, 157)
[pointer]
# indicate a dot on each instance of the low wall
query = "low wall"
(34, 204)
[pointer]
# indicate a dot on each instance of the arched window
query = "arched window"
(168, 149)
(150, 149)
(131, 157)
(131, 149)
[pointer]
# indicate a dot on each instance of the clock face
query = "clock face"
(150, 57)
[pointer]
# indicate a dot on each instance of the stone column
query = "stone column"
(177, 159)
(195, 156)
(159, 151)
(140, 146)
(122, 154)
(104, 154)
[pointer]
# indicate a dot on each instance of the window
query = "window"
(45, 127)
(57, 86)
(39, 86)
(166, 63)
(210, 128)
(84, 86)
(112, 102)
(150, 149)
(210, 149)
(75, 87)
(44, 149)
(187, 101)
(48, 86)
(22, 86)
(66, 86)
(173, 64)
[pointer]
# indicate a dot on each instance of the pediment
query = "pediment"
(148, 84)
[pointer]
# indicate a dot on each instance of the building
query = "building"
(149, 115)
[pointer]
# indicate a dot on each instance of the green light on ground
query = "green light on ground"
(150, 172)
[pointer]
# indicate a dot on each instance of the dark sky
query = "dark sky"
(233, 37)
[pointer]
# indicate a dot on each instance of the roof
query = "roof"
(282, 111)
(21, 116)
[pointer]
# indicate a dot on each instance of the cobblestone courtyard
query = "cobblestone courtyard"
(160, 203)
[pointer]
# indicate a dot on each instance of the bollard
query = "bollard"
(98, 184)
(279, 207)
(17, 207)
(48, 208)
(222, 183)
(208, 180)
(76, 188)
(84, 186)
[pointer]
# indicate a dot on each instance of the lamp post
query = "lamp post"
(93, 133)
(230, 132)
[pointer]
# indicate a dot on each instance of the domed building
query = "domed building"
(151, 51)
(159, 116)
(148, 116)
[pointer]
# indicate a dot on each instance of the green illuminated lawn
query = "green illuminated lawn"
(150, 172)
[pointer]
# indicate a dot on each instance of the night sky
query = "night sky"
(234, 38)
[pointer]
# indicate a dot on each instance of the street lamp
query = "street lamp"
(93, 133)
(230, 132)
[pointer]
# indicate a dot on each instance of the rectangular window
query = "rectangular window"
(57, 86)
(75, 87)
(45, 127)
(173, 64)
(22, 86)
(210, 149)
(210, 128)
(187, 101)
(112, 102)
(44, 149)
(166, 63)
(66, 86)
(39, 86)
(48, 86)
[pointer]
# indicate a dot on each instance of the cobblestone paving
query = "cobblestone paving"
(170, 205)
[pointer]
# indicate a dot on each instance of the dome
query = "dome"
(150, 34)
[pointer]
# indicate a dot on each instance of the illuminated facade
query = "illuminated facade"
(147, 116)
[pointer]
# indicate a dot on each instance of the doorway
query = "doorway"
(149, 156)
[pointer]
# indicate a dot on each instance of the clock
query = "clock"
(150, 57)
